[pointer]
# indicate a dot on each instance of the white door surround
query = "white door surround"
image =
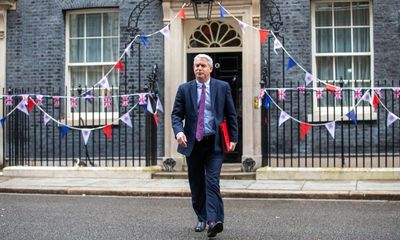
(175, 51)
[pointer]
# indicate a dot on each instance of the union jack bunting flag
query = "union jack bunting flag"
(142, 99)
(396, 93)
(301, 89)
(25, 99)
(261, 93)
(39, 100)
(107, 102)
(282, 94)
(74, 102)
(9, 100)
(378, 92)
(338, 93)
(56, 101)
(357, 93)
(320, 93)
(125, 101)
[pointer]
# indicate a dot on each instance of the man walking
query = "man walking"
(203, 104)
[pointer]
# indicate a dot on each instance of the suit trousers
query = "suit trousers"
(204, 169)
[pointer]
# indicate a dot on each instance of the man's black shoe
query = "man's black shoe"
(200, 226)
(214, 228)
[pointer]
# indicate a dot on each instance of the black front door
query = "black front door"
(228, 68)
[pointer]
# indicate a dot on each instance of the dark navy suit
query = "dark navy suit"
(204, 158)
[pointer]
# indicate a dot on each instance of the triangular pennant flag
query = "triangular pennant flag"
(127, 119)
(222, 11)
(104, 83)
(89, 96)
(182, 14)
(304, 128)
(283, 118)
(243, 25)
(375, 101)
(291, 63)
(85, 135)
(391, 118)
(366, 97)
(108, 131)
(155, 118)
(165, 31)
(331, 128)
(9, 100)
(144, 40)
(159, 106)
(3, 121)
(128, 50)
(31, 104)
(277, 45)
(64, 130)
(263, 35)
(21, 106)
(352, 116)
(46, 118)
(267, 102)
(308, 78)
(119, 65)
(149, 107)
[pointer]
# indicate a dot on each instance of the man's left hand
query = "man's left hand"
(232, 146)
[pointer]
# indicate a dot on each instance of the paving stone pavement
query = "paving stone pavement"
(362, 190)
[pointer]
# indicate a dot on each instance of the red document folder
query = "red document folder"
(225, 141)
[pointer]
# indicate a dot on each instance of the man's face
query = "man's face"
(202, 70)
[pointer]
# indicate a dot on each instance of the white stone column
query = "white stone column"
(4, 6)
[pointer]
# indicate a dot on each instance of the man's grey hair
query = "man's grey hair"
(203, 56)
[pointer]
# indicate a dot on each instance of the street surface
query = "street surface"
(115, 218)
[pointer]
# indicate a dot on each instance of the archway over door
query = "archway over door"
(228, 68)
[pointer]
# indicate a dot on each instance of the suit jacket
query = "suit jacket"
(186, 110)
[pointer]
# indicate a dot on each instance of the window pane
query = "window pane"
(361, 40)
(361, 14)
(77, 77)
(324, 68)
(110, 49)
(93, 25)
(111, 23)
(343, 40)
(323, 15)
(76, 47)
(343, 68)
(362, 68)
(76, 26)
(324, 40)
(94, 75)
(342, 14)
(93, 50)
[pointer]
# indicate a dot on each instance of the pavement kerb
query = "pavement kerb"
(240, 193)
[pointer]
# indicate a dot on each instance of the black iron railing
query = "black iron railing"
(29, 141)
(370, 143)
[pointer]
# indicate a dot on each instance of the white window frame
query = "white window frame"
(90, 119)
(326, 113)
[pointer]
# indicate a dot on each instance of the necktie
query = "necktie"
(200, 119)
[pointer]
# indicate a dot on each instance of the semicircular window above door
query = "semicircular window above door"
(214, 34)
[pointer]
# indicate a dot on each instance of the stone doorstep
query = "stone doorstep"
(271, 173)
(82, 172)
(224, 175)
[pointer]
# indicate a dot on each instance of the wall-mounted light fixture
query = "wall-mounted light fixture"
(197, 3)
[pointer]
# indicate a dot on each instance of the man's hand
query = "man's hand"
(181, 138)
(232, 146)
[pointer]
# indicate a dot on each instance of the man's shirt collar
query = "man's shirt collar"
(199, 84)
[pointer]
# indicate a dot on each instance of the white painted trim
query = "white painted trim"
(175, 72)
